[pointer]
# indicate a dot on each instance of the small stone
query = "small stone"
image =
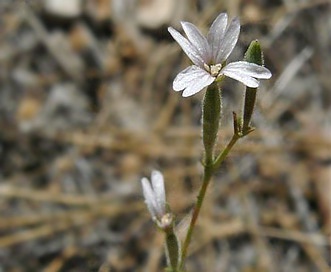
(155, 13)
(98, 10)
(28, 109)
(64, 8)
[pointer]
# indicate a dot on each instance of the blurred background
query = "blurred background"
(87, 109)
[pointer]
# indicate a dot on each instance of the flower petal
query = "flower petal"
(250, 69)
(185, 77)
(197, 40)
(229, 40)
(149, 197)
(216, 33)
(237, 74)
(159, 192)
(202, 80)
(187, 47)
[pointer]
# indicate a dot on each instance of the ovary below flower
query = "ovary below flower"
(209, 57)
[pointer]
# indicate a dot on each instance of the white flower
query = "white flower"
(155, 199)
(209, 56)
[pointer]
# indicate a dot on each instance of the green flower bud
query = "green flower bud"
(254, 55)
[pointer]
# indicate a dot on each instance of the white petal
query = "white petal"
(159, 192)
(240, 76)
(197, 40)
(229, 40)
(250, 69)
(149, 197)
(204, 79)
(185, 77)
(187, 47)
(216, 33)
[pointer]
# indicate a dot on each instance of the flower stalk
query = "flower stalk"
(208, 172)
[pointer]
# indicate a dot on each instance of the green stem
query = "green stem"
(210, 123)
(208, 171)
(221, 157)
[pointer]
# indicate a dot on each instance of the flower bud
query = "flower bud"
(254, 55)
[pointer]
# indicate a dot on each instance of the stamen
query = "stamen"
(215, 69)
(207, 67)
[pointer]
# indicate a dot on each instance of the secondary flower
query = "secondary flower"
(209, 55)
(155, 199)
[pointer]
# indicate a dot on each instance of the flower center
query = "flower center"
(165, 221)
(214, 70)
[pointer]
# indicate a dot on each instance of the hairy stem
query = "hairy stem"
(208, 171)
